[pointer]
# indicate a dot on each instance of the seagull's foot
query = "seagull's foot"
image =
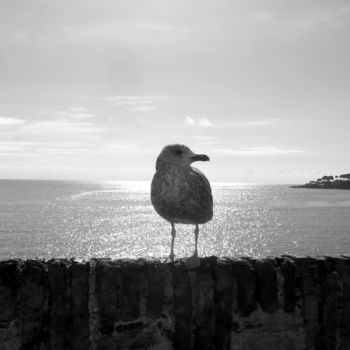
(166, 260)
(192, 262)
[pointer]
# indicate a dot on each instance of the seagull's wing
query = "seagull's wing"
(182, 197)
(201, 196)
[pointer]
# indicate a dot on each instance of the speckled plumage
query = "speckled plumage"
(180, 193)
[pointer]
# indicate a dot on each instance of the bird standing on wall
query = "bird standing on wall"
(180, 193)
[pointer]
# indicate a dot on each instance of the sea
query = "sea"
(81, 220)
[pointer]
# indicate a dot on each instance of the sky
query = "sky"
(94, 89)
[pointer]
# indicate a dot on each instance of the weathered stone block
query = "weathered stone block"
(203, 316)
(10, 281)
(33, 302)
(311, 288)
(342, 266)
(225, 297)
(311, 293)
(182, 307)
(290, 284)
(267, 289)
(79, 313)
(108, 286)
(269, 341)
(59, 303)
(246, 287)
(329, 313)
(155, 289)
(132, 276)
(123, 289)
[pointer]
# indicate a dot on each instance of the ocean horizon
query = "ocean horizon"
(86, 219)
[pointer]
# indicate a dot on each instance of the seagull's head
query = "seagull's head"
(178, 155)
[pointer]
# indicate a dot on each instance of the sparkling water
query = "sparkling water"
(116, 219)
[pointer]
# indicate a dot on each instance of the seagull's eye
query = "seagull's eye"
(178, 152)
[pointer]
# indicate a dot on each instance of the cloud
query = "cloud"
(258, 151)
(11, 121)
(80, 115)
(125, 147)
(142, 104)
(59, 129)
(77, 109)
(190, 121)
(50, 137)
(204, 137)
(247, 124)
(75, 112)
(202, 122)
(62, 151)
(15, 146)
(63, 138)
(143, 108)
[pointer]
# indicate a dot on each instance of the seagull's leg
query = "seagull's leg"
(194, 262)
(196, 233)
(173, 233)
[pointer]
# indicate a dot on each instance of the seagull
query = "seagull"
(180, 193)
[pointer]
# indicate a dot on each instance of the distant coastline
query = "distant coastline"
(341, 182)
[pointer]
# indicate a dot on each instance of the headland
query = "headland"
(341, 182)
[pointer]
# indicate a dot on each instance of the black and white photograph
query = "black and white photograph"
(174, 174)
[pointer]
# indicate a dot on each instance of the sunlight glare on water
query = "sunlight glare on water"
(117, 220)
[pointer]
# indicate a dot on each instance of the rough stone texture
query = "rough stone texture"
(267, 290)
(59, 303)
(311, 296)
(230, 304)
(79, 315)
(182, 307)
(10, 281)
(342, 266)
(290, 284)
(246, 280)
(226, 303)
(33, 294)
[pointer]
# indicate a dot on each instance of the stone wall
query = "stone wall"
(276, 303)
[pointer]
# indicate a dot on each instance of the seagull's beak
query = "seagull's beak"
(201, 157)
